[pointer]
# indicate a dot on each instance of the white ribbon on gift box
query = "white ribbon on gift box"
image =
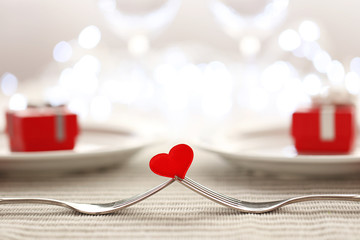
(327, 102)
(327, 123)
(60, 125)
(60, 133)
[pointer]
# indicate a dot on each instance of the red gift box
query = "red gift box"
(324, 129)
(41, 129)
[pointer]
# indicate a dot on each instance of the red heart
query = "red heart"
(176, 163)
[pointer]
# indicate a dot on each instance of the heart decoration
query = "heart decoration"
(176, 163)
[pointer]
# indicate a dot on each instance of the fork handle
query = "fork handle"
(47, 201)
(259, 207)
(316, 197)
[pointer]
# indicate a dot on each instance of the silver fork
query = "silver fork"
(258, 207)
(91, 208)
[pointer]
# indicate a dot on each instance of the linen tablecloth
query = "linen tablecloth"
(177, 212)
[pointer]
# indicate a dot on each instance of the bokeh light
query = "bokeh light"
(89, 37)
(310, 49)
(100, 108)
(9, 84)
(138, 45)
(82, 79)
(88, 63)
(352, 82)
(164, 72)
(79, 106)
(217, 90)
(312, 84)
(322, 61)
(289, 40)
(292, 95)
(249, 45)
(309, 31)
(237, 17)
(275, 75)
(336, 72)
(62, 52)
(18, 102)
(57, 95)
(355, 65)
(258, 99)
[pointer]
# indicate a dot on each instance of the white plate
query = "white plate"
(272, 150)
(95, 148)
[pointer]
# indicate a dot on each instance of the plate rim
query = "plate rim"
(68, 154)
(298, 159)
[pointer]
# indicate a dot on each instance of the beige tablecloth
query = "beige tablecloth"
(176, 212)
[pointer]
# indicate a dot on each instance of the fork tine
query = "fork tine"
(211, 192)
(243, 206)
(137, 198)
(219, 198)
(204, 193)
(220, 195)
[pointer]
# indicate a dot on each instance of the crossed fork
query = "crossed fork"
(175, 165)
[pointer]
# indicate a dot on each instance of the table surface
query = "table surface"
(177, 212)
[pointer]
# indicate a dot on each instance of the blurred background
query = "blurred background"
(179, 66)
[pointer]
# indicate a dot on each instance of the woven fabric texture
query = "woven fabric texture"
(176, 212)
